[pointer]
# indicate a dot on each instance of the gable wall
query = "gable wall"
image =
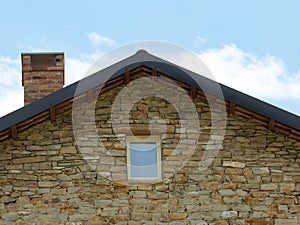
(45, 178)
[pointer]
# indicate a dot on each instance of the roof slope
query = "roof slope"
(142, 58)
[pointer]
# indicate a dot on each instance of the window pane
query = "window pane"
(143, 159)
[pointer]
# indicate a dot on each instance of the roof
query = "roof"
(256, 108)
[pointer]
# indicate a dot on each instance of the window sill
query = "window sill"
(123, 183)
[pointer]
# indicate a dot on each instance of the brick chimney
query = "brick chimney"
(42, 74)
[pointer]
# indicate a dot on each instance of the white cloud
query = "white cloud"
(11, 99)
(78, 68)
(9, 71)
(201, 40)
(75, 69)
(263, 77)
(98, 39)
(11, 91)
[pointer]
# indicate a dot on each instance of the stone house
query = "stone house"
(116, 148)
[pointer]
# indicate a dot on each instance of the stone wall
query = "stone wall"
(46, 178)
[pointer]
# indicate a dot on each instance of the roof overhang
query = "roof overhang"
(253, 106)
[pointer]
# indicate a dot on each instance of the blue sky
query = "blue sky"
(253, 46)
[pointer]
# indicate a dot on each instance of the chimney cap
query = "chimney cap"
(46, 61)
(43, 53)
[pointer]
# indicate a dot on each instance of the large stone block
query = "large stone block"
(286, 221)
(234, 164)
(30, 159)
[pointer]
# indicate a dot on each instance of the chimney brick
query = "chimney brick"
(42, 74)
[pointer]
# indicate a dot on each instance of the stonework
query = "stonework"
(47, 179)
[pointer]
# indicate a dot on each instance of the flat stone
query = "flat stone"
(5, 157)
(260, 141)
(226, 192)
(86, 210)
(64, 177)
(103, 202)
(198, 222)
(35, 137)
(34, 148)
(9, 218)
(68, 150)
(269, 187)
(26, 177)
(260, 170)
(48, 184)
(241, 193)
(287, 187)
(229, 214)
(6, 199)
(177, 216)
(138, 194)
(30, 159)
(234, 164)
(286, 222)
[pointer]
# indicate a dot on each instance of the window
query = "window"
(143, 158)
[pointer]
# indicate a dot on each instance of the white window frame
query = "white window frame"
(144, 139)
